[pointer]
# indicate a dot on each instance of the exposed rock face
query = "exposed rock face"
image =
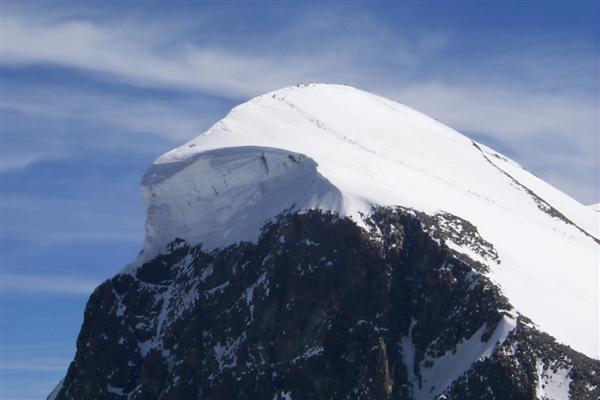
(321, 308)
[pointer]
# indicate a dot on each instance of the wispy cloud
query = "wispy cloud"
(75, 218)
(554, 136)
(541, 92)
(47, 284)
(48, 356)
(144, 54)
(137, 54)
(505, 112)
(174, 120)
(125, 56)
(36, 364)
(23, 159)
(44, 122)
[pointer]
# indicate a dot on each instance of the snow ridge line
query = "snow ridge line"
(542, 204)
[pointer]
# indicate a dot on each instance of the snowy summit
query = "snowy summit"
(337, 148)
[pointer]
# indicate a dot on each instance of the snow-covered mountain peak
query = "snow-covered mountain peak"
(337, 148)
(338, 111)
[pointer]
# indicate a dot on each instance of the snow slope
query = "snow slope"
(338, 148)
(446, 369)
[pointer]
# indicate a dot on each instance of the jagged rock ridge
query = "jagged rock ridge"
(319, 308)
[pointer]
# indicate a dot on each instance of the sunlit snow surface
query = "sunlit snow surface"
(552, 382)
(446, 369)
(341, 149)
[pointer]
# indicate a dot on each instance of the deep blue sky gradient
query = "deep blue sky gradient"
(521, 77)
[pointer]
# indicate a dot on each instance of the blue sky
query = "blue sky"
(93, 92)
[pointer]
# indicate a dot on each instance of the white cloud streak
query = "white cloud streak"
(23, 159)
(47, 284)
(104, 49)
(52, 221)
(524, 100)
(136, 53)
(98, 120)
(554, 136)
(506, 113)
(173, 121)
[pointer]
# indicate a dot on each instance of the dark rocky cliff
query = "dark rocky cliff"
(319, 308)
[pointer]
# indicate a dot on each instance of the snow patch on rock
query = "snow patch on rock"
(437, 374)
(553, 382)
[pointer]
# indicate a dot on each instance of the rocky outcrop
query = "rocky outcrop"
(321, 308)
